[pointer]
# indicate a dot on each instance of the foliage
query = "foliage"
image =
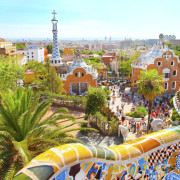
(113, 125)
(100, 117)
(20, 46)
(61, 52)
(150, 85)
(175, 115)
(25, 132)
(10, 71)
(138, 112)
(52, 82)
(96, 98)
(49, 48)
(36, 67)
(95, 59)
(108, 68)
(169, 45)
(126, 68)
(95, 62)
(93, 52)
(171, 101)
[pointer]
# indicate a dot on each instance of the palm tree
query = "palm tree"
(26, 130)
(150, 86)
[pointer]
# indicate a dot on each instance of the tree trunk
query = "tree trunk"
(149, 115)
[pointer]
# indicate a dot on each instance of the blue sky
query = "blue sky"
(137, 19)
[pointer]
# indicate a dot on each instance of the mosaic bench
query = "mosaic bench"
(153, 156)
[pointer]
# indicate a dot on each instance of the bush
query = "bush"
(138, 112)
(113, 125)
(175, 116)
(84, 125)
(171, 101)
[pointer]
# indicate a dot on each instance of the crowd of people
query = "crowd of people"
(160, 110)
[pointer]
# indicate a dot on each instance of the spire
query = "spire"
(56, 60)
(54, 18)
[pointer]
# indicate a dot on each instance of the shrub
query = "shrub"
(113, 125)
(171, 101)
(138, 112)
(175, 116)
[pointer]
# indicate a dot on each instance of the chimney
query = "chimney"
(163, 44)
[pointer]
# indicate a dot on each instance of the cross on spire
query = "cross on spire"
(54, 12)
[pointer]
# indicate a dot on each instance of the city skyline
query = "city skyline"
(90, 19)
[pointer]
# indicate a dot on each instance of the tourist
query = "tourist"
(166, 114)
(138, 129)
(134, 127)
(176, 123)
(122, 119)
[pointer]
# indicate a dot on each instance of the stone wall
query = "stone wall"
(154, 156)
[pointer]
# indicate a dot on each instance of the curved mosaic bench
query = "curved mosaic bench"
(153, 156)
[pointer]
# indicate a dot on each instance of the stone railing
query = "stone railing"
(153, 156)
(176, 102)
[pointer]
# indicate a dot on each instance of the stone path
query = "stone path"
(127, 107)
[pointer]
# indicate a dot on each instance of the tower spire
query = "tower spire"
(54, 12)
(56, 60)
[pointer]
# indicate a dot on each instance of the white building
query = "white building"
(33, 53)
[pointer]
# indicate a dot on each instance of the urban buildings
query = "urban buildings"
(7, 48)
(165, 62)
(33, 53)
(79, 77)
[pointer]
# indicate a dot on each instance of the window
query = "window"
(52, 61)
(167, 75)
(174, 73)
(28, 57)
(172, 63)
(159, 63)
(166, 56)
(174, 85)
(55, 61)
(166, 86)
(79, 74)
(59, 61)
(75, 74)
(82, 74)
(32, 56)
(32, 53)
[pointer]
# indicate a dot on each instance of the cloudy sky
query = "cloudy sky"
(90, 19)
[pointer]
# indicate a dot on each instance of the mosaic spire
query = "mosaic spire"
(56, 60)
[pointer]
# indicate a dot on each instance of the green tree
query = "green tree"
(25, 132)
(91, 52)
(36, 67)
(126, 68)
(96, 98)
(61, 52)
(49, 48)
(150, 86)
(103, 51)
(10, 73)
(20, 46)
(52, 82)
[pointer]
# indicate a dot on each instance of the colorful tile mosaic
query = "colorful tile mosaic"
(154, 156)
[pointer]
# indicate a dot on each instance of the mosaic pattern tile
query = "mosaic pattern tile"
(154, 156)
